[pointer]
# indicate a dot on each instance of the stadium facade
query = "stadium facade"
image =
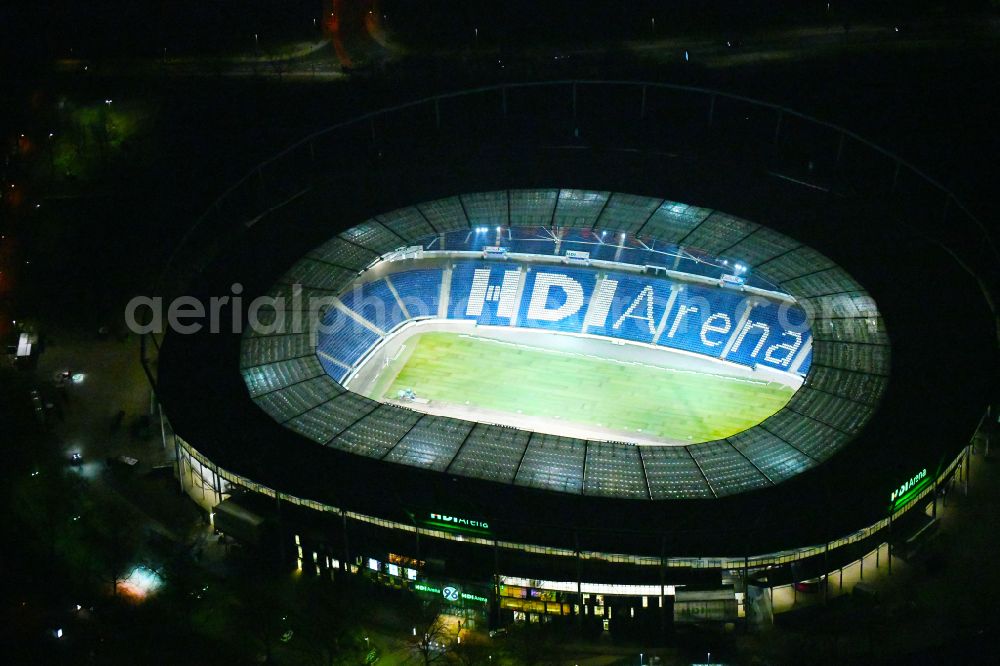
(651, 187)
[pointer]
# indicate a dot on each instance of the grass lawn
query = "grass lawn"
(656, 402)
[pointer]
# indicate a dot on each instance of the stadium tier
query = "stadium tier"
(602, 245)
(650, 271)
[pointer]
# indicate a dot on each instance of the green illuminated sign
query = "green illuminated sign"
(450, 593)
(459, 523)
(910, 489)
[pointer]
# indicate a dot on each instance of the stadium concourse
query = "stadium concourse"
(532, 226)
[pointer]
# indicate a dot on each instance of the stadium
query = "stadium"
(629, 352)
(439, 362)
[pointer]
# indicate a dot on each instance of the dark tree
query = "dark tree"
(430, 639)
(330, 621)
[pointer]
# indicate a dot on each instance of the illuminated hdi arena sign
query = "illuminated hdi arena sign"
(907, 490)
(720, 323)
(444, 520)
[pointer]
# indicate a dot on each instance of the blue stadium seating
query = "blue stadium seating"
(577, 246)
(343, 338)
(527, 240)
(603, 251)
(703, 319)
(633, 255)
(697, 267)
(771, 323)
(806, 364)
(474, 240)
(335, 370)
(375, 302)
(557, 297)
(647, 299)
(420, 290)
(690, 314)
(579, 235)
(602, 246)
(533, 245)
(489, 300)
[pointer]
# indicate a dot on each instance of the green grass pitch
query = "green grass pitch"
(651, 402)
